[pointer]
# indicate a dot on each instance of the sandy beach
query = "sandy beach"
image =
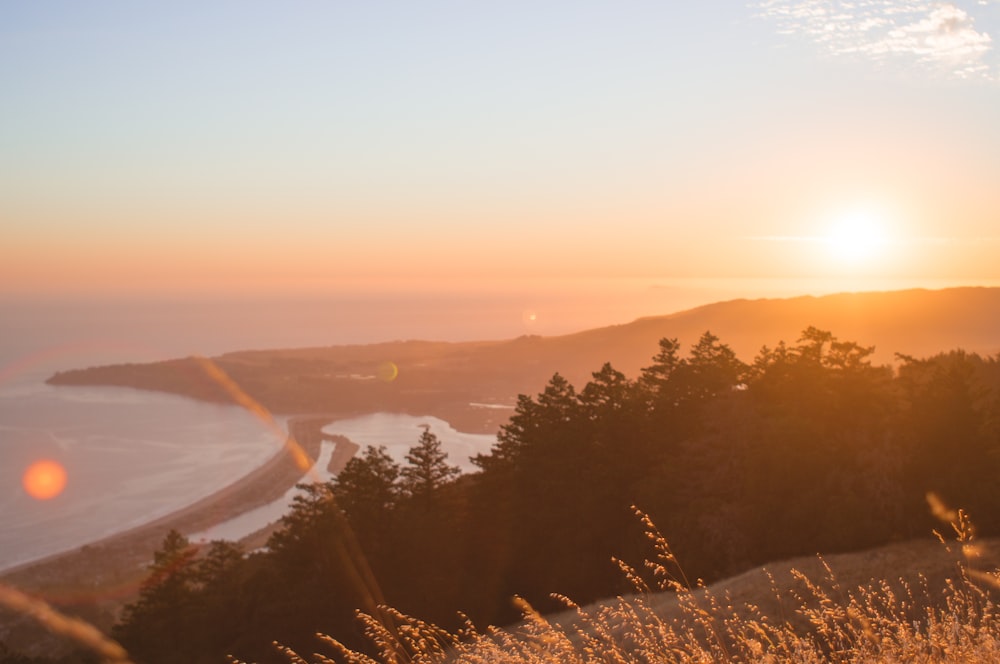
(98, 578)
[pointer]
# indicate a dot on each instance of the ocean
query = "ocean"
(129, 457)
(132, 456)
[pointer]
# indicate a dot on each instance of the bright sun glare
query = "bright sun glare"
(856, 237)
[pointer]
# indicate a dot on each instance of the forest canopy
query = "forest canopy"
(808, 448)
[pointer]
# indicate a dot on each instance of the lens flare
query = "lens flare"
(81, 632)
(44, 479)
(388, 372)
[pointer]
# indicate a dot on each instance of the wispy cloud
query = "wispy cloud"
(939, 36)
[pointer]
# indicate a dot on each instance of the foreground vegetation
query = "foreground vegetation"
(808, 614)
(808, 448)
(820, 621)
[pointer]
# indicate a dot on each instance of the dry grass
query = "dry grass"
(801, 611)
(948, 614)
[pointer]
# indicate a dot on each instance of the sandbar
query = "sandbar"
(107, 573)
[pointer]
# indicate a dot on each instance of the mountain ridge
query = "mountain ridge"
(447, 379)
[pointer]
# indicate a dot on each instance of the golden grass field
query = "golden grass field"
(931, 601)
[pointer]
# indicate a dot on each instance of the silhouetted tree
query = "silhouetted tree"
(810, 448)
(428, 469)
(218, 610)
(151, 627)
(656, 377)
(951, 431)
(319, 574)
(367, 490)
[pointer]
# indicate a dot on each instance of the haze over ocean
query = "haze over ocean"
(133, 455)
(50, 333)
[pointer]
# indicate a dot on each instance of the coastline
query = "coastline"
(107, 573)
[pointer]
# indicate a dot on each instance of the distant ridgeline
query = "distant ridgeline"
(809, 447)
(447, 380)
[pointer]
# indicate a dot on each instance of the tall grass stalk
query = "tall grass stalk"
(817, 621)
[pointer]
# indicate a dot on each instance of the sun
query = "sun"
(857, 237)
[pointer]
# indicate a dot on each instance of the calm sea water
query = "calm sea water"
(132, 456)
(129, 456)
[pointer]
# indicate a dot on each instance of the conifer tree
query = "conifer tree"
(150, 626)
(428, 469)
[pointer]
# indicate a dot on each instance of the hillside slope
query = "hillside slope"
(454, 380)
(777, 590)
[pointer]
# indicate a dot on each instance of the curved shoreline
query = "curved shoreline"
(111, 568)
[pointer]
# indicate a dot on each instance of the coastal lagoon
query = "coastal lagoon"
(133, 456)
(397, 432)
(401, 432)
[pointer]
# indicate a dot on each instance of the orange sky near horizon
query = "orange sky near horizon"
(103, 262)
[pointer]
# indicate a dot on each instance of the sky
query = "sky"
(249, 147)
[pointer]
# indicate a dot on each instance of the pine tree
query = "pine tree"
(367, 490)
(150, 627)
(428, 470)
